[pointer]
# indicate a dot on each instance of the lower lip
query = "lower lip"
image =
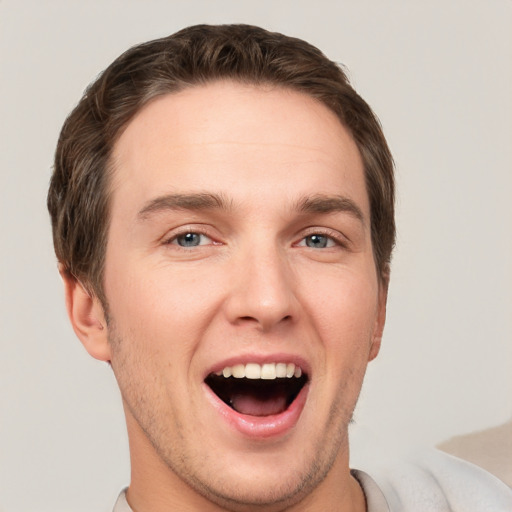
(260, 427)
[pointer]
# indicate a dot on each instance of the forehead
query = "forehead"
(236, 137)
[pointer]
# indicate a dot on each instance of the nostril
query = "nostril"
(247, 318)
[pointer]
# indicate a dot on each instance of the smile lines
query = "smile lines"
(266, 371)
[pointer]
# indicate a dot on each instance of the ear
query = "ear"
(87, 316)
(380, 320)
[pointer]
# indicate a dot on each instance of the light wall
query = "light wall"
(439, 75)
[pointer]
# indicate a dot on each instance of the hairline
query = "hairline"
(106, 113)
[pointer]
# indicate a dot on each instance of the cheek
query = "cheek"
(347, 303)
(344, 310)
(158, 305)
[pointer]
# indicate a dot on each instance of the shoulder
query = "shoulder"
(435, 481)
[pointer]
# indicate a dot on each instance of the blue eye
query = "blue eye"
(190, 239)
(318, 241)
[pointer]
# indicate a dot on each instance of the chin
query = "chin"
(263, 481)
(263, 492)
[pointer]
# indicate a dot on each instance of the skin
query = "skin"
(254, 286)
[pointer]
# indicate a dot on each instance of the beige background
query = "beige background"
(439, 75)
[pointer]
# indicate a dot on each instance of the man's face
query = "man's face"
(240, 241)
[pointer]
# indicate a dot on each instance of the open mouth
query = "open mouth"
(258, 390)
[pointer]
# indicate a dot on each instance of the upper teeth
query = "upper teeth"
(268, 371)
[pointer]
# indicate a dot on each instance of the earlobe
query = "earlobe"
(380, 320)
(86, 316)
(374, 348)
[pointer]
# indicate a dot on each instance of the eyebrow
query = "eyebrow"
(330, 204)
(320, 204)
(200, 201)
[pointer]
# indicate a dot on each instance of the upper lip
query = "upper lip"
(280, 357)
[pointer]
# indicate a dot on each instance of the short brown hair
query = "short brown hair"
(78, 198)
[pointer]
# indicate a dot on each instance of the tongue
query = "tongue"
(252, 405)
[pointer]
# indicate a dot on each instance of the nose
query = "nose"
(261, 290)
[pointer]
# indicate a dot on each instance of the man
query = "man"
(222, 210)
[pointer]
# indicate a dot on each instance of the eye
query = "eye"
(317, 241)
(190, 239)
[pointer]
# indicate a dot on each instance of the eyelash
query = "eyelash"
(334, 236)
(174, 237)
(338, 239)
